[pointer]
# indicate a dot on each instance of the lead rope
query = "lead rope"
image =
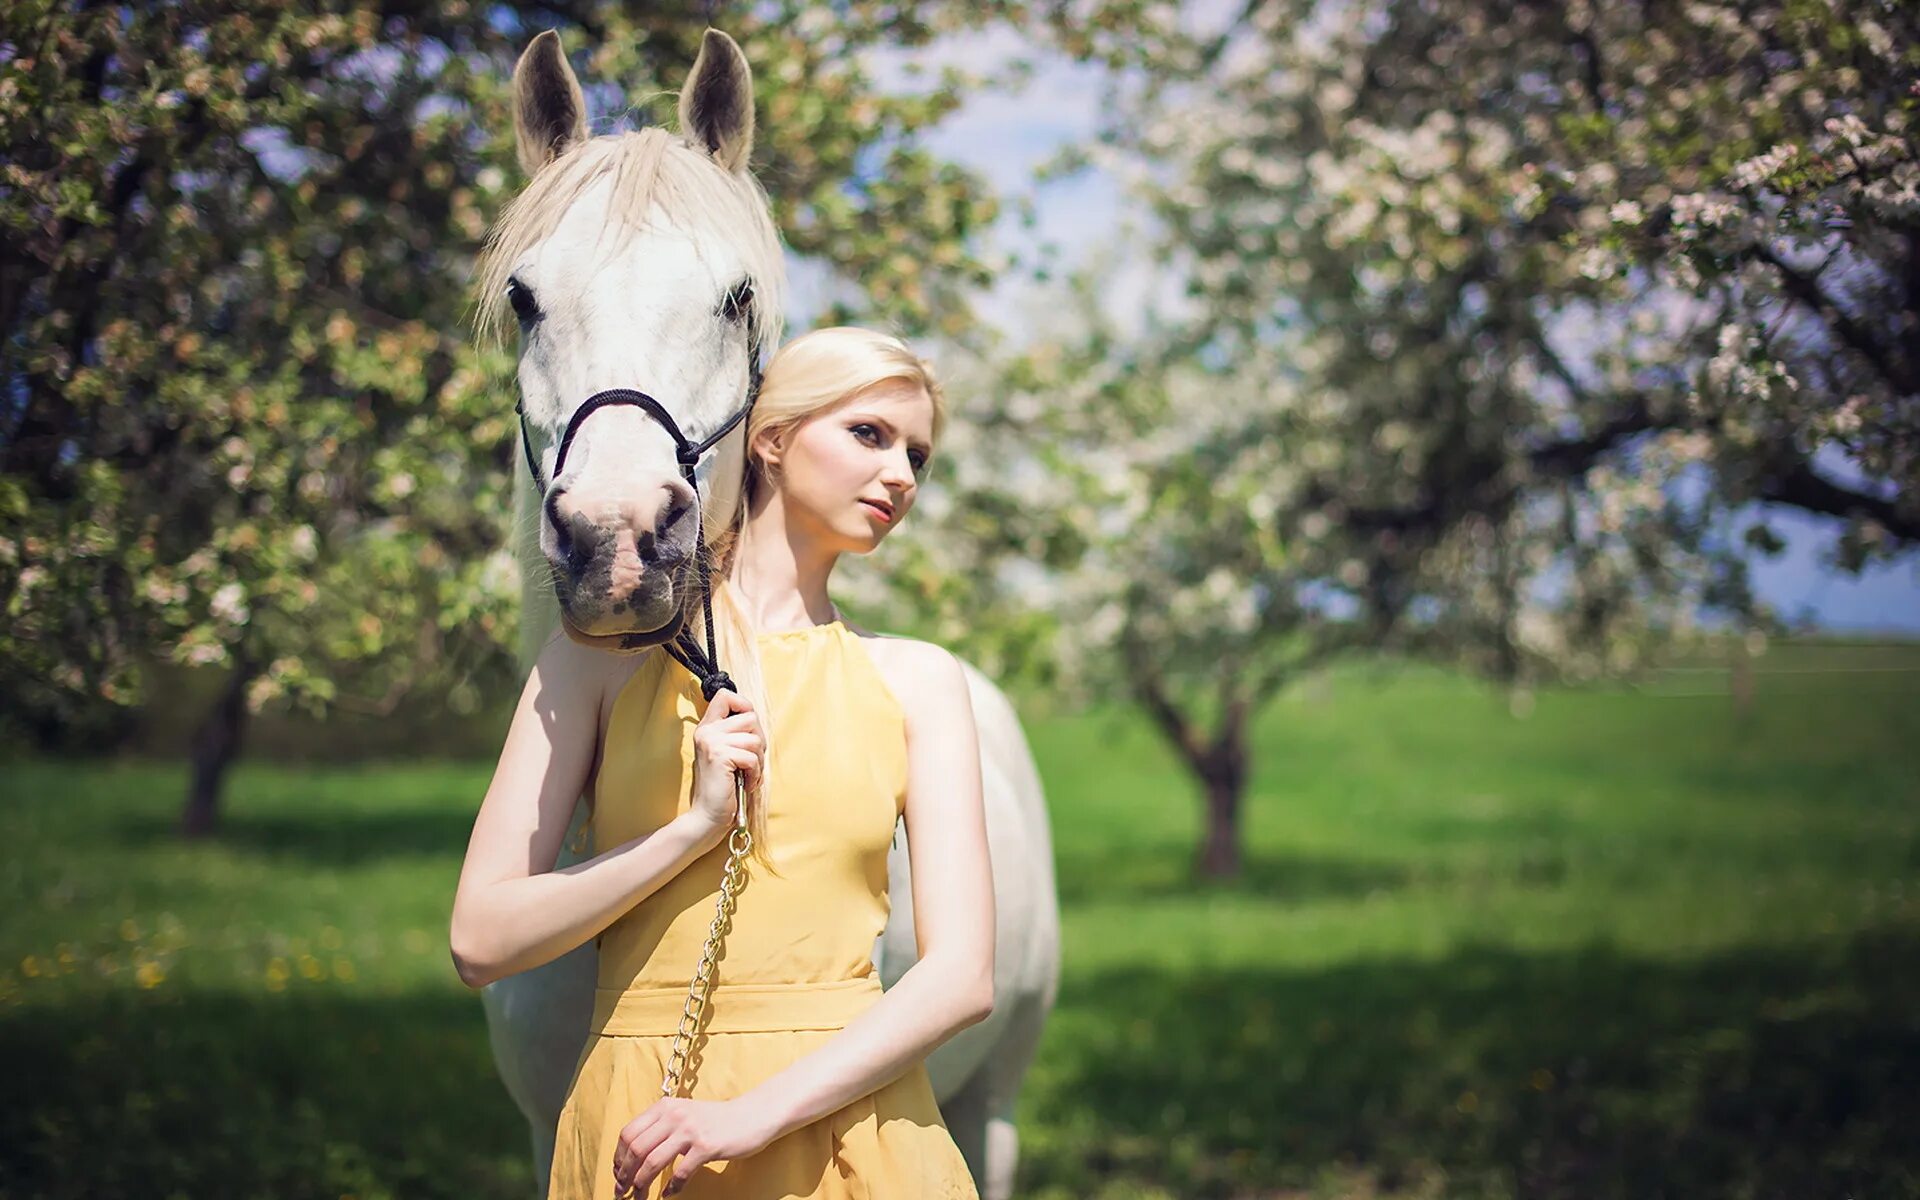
(739, 845)
(739, 842)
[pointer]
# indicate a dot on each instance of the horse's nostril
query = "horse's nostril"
(655, 545)
(675, 511)
(573, 549)
(579, 552)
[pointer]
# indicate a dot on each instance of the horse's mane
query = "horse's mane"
(655, 172)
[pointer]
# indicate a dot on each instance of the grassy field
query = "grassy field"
(1625, 946)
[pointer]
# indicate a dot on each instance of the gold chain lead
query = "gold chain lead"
(739, 842)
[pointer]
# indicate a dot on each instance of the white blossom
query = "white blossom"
(228, 604)
(1761, 168)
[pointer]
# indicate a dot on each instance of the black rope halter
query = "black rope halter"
(703, 663)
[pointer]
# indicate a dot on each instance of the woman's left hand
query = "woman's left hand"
(697, 1131)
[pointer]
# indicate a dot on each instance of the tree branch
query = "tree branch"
(1855, 335)
(1802, 487)
(1152, 694)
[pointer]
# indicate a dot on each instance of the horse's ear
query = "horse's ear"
(716, 105)
(549, 111)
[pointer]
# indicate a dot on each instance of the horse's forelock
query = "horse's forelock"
(654, 172)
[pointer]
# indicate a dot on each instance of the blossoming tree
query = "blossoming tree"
(1501, 325)
(243, 424)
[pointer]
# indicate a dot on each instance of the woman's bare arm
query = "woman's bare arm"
(512, 910)
(951, 985)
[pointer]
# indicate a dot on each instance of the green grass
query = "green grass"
(1626, 946)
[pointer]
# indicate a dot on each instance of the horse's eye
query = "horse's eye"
(738, 301)
(521, 297)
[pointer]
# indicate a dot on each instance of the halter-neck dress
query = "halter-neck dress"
(796, 963)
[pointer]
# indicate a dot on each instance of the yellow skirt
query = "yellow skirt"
(888, 1145)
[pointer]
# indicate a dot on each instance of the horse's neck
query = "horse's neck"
(539, 610)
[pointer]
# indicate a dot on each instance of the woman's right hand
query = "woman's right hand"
(726, 742)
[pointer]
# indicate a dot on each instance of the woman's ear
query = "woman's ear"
(766, 451)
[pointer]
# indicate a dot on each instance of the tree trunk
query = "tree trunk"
(1740, 682)
(215, 745)
(1220, 764)
(1220, 852)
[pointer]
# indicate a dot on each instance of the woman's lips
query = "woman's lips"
(877, 511)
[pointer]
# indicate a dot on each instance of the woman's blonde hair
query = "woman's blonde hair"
(810, 374)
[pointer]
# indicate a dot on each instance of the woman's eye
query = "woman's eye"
(917, 461)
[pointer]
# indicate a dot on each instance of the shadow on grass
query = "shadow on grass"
(353, 838)
(151, 1094)
(1295, 879)
(1771, 1073)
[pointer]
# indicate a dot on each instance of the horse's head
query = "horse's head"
(639, 260)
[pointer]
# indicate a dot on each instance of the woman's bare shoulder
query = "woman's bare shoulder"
(592, 675)
(921, 675)
(587, 680)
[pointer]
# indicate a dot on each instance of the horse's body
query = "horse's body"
(537, 1020)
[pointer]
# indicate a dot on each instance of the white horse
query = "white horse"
(646, 260)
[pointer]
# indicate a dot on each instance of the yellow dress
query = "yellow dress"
(796, 963)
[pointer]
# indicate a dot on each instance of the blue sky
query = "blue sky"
(1006, 135)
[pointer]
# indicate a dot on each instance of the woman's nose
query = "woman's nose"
(899, 472)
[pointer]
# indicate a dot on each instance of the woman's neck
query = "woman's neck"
(779, 576)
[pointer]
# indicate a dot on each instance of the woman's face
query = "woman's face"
(852, 472)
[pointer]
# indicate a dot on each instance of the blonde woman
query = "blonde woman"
(808, 1081)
